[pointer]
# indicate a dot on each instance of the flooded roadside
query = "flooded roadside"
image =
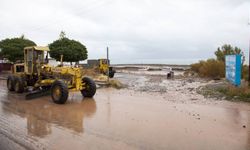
(132, 118)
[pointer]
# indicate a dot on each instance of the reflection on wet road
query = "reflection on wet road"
(121, 119)
(40, 115)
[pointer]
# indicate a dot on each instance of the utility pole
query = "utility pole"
(249, 54)
(249, 63)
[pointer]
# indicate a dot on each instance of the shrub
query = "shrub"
(244, 74)
(196, 66)
(211, 68)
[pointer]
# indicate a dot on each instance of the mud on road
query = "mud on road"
(151, 113)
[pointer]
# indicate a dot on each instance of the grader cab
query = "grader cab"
(32, 57)
(36, 76)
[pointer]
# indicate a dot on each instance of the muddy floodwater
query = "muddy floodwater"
(152, 112)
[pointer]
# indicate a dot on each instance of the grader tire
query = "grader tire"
(59, 92)
(11, 83)
(19, 85)
(90, 87)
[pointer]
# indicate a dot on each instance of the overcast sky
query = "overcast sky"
(136, 31)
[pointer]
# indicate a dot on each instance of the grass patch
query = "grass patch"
(236, 93)
(226, 91)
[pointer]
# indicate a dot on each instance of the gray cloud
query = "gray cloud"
(141, 31)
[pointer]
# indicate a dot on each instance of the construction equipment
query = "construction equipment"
(105, 68)
(38, 77)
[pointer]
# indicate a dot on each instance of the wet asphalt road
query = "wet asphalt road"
(122, 119)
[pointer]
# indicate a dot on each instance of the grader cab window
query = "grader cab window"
(38, 56)
(33, 59)
(46, 57)
(37, 59)
(29, 60)
(104, 61)
(19, 68)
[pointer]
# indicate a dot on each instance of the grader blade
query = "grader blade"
(37, 94)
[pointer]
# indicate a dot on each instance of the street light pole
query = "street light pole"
(108, 62)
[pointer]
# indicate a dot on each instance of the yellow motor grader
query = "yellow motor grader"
(104, 68)
(37, 76)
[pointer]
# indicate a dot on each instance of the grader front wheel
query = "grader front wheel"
(59, 92)
(90, 87)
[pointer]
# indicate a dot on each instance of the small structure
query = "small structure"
(91, 63)
(1, 64)
(5, 65)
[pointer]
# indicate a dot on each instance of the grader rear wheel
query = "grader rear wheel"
(19, 85)
(90, 87)
(59, 92)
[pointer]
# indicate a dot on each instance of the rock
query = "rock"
(190, 80)
(194, 99)
(244, 126)
(190, 89)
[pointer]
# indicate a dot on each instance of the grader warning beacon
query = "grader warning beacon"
(37, 76)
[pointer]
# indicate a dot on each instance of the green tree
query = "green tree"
(1, 53)
(72, 51)
(62, 35)
(227, 49)
(12, 49)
